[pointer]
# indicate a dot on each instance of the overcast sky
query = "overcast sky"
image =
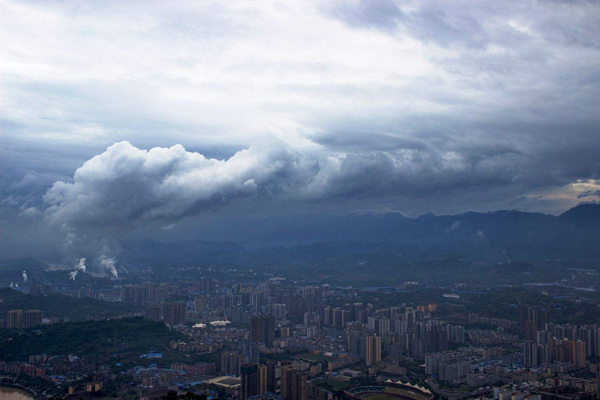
(135, 112)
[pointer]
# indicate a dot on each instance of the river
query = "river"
(7, 393)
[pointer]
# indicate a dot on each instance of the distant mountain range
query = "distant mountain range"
(511, 235)
(498, 237)
(499, 228)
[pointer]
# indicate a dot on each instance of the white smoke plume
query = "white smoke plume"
(81, 265)
(108, 264)
(24, 276)
(506, 255)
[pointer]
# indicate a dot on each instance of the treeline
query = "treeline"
(87, 338)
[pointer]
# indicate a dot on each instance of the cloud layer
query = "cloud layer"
(126, 184)
(412, 106)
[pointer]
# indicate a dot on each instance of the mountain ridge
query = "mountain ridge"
(502, 226)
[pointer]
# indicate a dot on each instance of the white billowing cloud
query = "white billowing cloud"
(128, 185)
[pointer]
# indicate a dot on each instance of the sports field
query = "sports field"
(378, 396)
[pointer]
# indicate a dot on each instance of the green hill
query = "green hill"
(88, 338)
(62, 306)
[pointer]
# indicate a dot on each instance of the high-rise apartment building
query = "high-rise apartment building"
(578, 357)
(530, 354)
(262, 329)
(372, 350)
(200, 304)
(262, 378)
(249, 381)
(271, 376)
(294, 384)
(173, 313)
(14, 319)
(32, 318)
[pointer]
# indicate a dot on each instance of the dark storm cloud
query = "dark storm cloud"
(353, 142)
(377, 14)
(589, 194)
(428, 21)
(24, 177)
(475, 24)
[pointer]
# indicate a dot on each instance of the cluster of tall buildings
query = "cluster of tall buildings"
(41, 290)
(397, 337)
(233, 359)
(171, 313)
(546, 342)
(258, 379)
(562, 350)
(237, 304)
(535, 315)
(146, 293)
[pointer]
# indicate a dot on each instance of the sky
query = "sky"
(145, 115)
